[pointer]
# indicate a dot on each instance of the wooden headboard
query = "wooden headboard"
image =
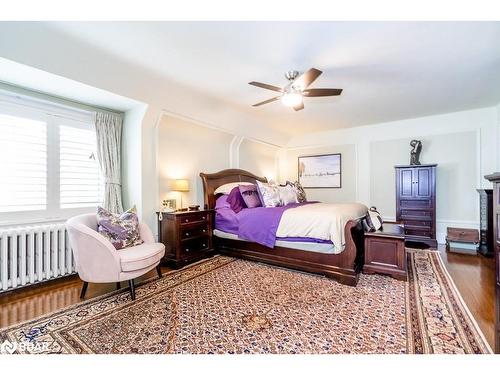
(212, 181)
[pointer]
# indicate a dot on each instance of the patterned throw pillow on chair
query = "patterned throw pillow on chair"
(122, 230)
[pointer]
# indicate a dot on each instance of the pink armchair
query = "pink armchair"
(97, 261)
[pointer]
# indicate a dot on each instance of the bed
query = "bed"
(311, 256)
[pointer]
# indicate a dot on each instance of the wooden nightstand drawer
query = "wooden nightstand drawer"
(191, 247)
(194, 231)
(193, 218)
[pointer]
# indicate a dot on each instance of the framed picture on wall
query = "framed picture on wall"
(320, 171)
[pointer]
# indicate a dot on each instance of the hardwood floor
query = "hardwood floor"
(473, 275)
(34, 301)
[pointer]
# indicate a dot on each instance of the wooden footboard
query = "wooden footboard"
(343, 267)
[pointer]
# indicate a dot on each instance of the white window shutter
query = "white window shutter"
(23, 164)
(81, 182)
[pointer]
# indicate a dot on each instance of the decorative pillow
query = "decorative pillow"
(288, 194)
(270, 194)
(221, 202)
(250, 196)
(235, 200)
(122, 230)
(373, 220)
(226, 188)
(301, 194)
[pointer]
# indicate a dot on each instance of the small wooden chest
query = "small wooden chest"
(461, 236)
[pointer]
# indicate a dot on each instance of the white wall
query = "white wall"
(347, 192)
(186, 148)
(465, 143)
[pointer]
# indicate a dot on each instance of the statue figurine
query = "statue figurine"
(415, 152)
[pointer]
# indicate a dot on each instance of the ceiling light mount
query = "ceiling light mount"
(291, 75)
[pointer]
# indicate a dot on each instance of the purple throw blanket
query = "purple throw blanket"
(260, 224)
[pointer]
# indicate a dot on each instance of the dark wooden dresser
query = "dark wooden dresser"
(486, 243)
(187, 236)
(495, 179)
(416, 202)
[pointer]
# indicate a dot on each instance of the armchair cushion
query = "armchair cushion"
(122, 230)
(142, 256)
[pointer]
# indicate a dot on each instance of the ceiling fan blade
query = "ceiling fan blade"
(321, 92)
(299, 107)
(265, 86)
(266, 101)
(306, 78)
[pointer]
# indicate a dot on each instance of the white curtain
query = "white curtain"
(108, 128)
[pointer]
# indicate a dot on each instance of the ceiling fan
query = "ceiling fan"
(293, 93)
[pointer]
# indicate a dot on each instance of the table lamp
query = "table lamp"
(181, 186)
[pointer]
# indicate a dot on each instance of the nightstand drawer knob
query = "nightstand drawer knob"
(187, 234)
(204, 231)
(204, 245)
(203, 218)
(186, 220)
(187, 250)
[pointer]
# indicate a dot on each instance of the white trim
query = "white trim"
(231, 157)
(214, 127)
(237, 151)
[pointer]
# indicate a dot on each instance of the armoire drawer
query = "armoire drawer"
(416, 215)
(418, 232)
(418, 224)
(416, 203)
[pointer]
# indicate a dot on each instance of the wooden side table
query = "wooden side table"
(385, 251)
(187, 236)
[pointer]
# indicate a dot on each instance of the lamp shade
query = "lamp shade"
(180, 185)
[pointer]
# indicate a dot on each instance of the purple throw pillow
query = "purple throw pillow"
(235, 200)
(221, 202)
(250, 195)
(122, 230)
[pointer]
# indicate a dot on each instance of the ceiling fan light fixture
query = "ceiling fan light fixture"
(291, 99)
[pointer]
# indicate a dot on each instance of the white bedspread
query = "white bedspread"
(325, 221)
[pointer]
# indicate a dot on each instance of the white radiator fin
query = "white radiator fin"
(29, 255)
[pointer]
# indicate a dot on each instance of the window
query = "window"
(81, 182)
(23, 164)
(48, 161)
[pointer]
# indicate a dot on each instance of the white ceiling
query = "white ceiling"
(388, 70)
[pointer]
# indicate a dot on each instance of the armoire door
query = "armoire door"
(405, 183)
(422, 182)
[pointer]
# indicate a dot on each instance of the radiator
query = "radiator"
(32, 254)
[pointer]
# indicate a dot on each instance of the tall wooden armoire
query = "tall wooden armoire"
(416, 202)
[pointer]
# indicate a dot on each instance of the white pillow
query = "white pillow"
(288, 195)
(270, 194)
(226, 188)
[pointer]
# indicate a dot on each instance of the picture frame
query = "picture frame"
(320, 171)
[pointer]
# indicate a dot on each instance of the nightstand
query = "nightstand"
(385, 251)
(187, 236)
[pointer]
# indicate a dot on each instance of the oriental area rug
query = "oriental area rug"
(225, 305)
